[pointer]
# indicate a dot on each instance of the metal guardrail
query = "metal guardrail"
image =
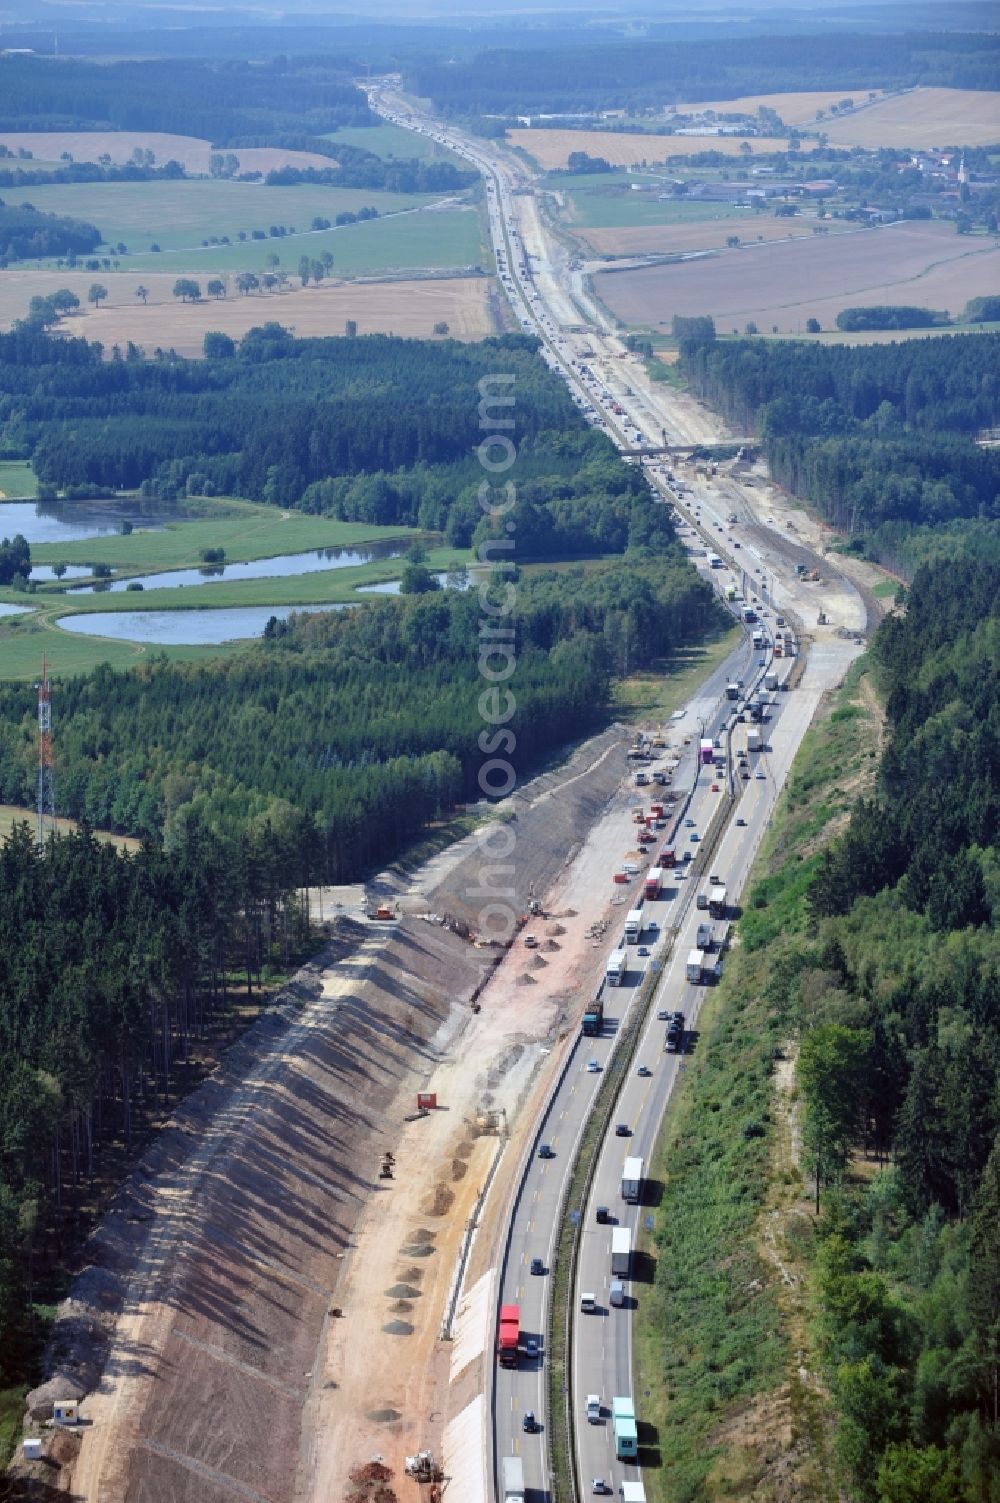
(565, 1481)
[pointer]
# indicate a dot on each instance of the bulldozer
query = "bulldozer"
(388, 1163)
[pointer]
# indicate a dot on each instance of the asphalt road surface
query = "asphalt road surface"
(759, 561)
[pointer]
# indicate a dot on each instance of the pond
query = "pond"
(194, 628)
(41, 572)
(391, 586)
(15, 610)
(284, 566)
(69, 521)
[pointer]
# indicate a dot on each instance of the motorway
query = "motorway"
(759, 564)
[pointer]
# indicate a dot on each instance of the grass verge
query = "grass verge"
(17, 481)
(656, 693)
(245, 529)
(23, 640)
(11, 1415)
(721, 1343)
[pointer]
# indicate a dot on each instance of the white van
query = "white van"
(593, 1409)
(617, 1295)
(588, 1304)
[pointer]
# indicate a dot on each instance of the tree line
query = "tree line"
(878, 438)
(352, 728)
(90, 172)
(356, 169)
(267, 423)
(218, 101)
(641, 74)
(27, 233)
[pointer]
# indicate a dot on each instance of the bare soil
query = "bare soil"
(702, 234)
(259, 1292)
(922, 263)
(505, 1057)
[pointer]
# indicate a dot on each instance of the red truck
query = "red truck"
(666, 858)
(509, 1334)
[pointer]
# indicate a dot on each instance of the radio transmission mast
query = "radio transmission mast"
(46, 788)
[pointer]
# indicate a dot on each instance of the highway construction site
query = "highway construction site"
(257, 1293)
(273, 1298)
(296, 1279)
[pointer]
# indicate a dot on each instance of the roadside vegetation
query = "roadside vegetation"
(826, 1316)
(716, 1362)
(654, 694)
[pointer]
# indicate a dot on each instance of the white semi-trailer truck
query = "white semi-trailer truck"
(512, 1471)
(632, 1181)
(621, 1252)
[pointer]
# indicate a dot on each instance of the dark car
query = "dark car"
(603, 1215)
(622, 1130)
(545, 1152)
(537, 1266)
(531, 1348)
(529, 1424)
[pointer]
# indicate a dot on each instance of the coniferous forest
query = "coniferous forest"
(314, 755)
(880, 438)
(113, 967)
(900, 1009)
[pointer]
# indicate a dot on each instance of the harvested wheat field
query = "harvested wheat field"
(793, 109)
(922, 118)
(702, 234)
(190, 151)
(551, 148)
(407, 308)
(925, 264)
